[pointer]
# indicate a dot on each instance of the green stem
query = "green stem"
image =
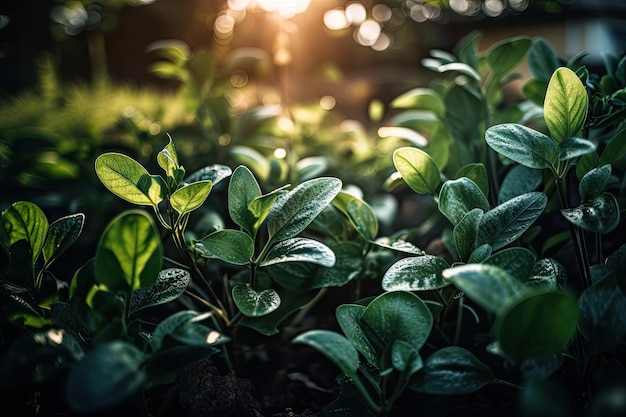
(459, 319)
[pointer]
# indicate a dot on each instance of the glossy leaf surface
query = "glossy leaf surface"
(565, 106)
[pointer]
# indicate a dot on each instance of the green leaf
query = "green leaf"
(459, 197)
(129, 254)
(171, 325)
(417, 169)
(229, 245)
(464, 233)
(480, 254)
(461, 68)
(129, 180)
(405, 358)
(600, 215)
(477, 173)
(168, 160)
(261, 206)
(253, 303)
(294, 211)
(420, 99)
(615, 149)
(592, 184)
(25, 221)
(191, 196)
(504, 56)
(170, 284)
(360, 214)
(452, 371)
(536, 325)
(518, 262)
(487, 285)
(420, 273)
(519, 180)
(602, 319)
(348, 265)
(506, 222)
(399, 315)
(523, 145)
(61, 235)
(565, 106)
(542, 59)
(349, 318)
(108, 375)
(214, 173)
(242, 190)
(335, 347)
(300, 250)
(547, 274)
(571, 148)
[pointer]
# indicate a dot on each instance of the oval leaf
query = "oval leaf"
(509, 220)
(547, 273)
(487, 285)
(571, 148)
(419, 273)
(170, 285)
(25, 221)
(592, 184)
(565, 105)
(349, 318)
(129, 254)
(523, 145)
(459, 197)
(253, 303)
(519, 180)
(360, 214)
(191, 196)
(61, 235)
(452, 371)
(518, 262)
(335, 347)
(242, 190)
(417, 169)
(128, 179)
(464, 233)
(294, 211)
(229, 245)
(300, 250)
(536, 325)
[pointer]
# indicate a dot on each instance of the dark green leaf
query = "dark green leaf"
(335, 347)
(523, 145)
(592, 184)
(242, 190)
(504, 56)
(25, 221)
(519, 180)
(477, 173)
(214, 173)
(360, 214)
(61, 235)
(571, 148)
(487, 285)
(465, 231)
(170, 284)
(349, 319)
(452, 371)
(506, 222)
(547, 274)
(421, 273)
(536, 325)
(171, 324)
(459, 197)
(294, 211)
(229, 245)
(542, 60)
(480, 254)
(600, 215)
(300, 249)
(399, 315)
(348, 265)
(108, 375)
(516, 261)
(405, 358)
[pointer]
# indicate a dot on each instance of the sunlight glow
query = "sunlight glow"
(285, 8)
(328, 102)
(280, 153)
(368, 33)
(336, 19)
(356, 13)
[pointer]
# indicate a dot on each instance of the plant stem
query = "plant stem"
(459, 319)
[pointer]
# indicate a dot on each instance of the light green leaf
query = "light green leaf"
(421, 99)
(523, 145)
(170, 284)
(25, 221)
(571, 148)
(190, 196)
(536, 325)
(253, 303)
(129, 254)
(600, 215)
(460, 68)
(506, 222)
(420, 273)
(360, 214)
(242, 190)
(294, 211)
(459, 197)
(417, 169)
(229, 245)
(168, 160)
(300, 249)
(129, 180)
(565, 105)
(487, 285)
(61, 235)
(398, 315)
(335, 347)
(452, 371)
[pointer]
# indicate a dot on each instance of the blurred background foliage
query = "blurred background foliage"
(291, 88)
